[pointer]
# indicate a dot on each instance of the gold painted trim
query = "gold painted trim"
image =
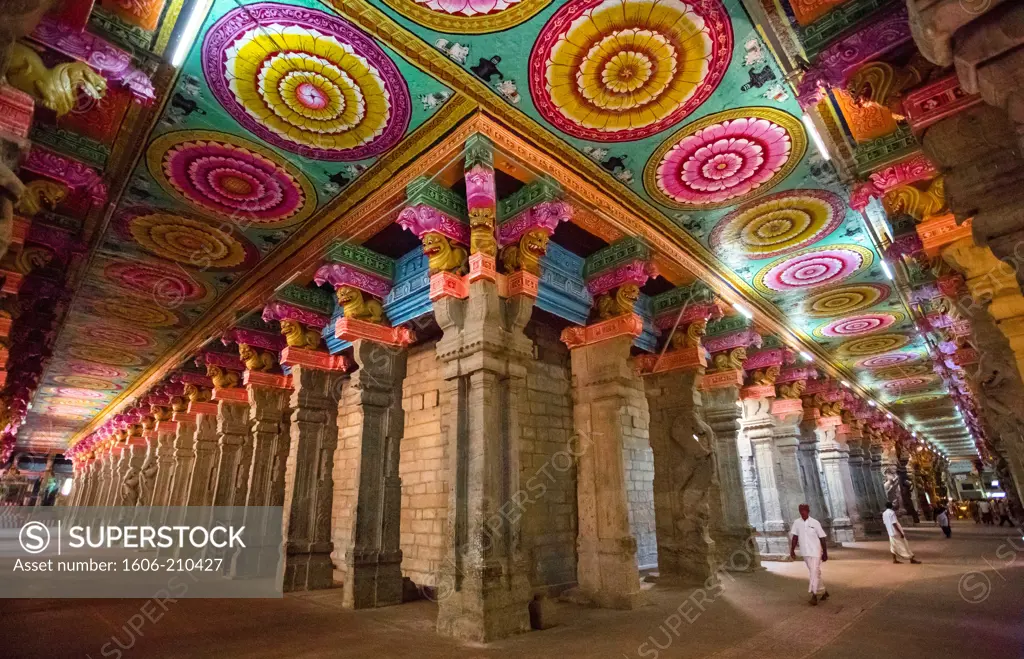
(451, 24)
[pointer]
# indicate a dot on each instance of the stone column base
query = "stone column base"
(484, 608)
(737, 550)
(308, 569)
(372, 581)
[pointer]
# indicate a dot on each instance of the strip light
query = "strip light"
(197, 13)
(816, 136)
(887, 270)
(745, 312)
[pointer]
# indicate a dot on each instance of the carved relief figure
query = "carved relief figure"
(41, 194)
(56, 88)
(444, 255)
(694, 470)
(148, 422)
(357, 307)
(622, 302)
(196, 394)
(256, 360)
(160, 412)
(731, 360)
(297, 337)
(766, 376)
(881, 83)
(827, 408)
(695, 331)
(526, 254)
(130, 489)
(791, 390)
(919, 204)
(481, 232)
(222, 378)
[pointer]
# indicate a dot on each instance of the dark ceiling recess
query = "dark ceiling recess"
(578, 241)
(393, 241)
(503, 184)
(657, 285)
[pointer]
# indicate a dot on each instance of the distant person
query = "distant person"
(985, 508)
(972, 506)
(807, 533)
(1004, 513)
(943, 520)
(897, 538)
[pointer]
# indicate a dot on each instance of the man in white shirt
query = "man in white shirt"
(985, 508)
(808, 534)
(897, 539)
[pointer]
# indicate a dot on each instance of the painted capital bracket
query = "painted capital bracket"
(768, 357)
(434, 209)
(283, 311)
(742, 339)
(758, 391)
(229, 361)
(323, 361)
(683, 359)
(16, 108)
(183, 417)
(348, 274)
(795, 373)
(626, 261)
(448, 284)
(350, 329)
(912, 169)
(254, 338)
(522, 283)
(231, 395)
(722, 380)
(269, 380)
(166, 426)
(935, 101)
(625, 325)
(197, 379)
(109, 61)
(836, 63)
(78, 177)
(202, 407)
(937, 232)
(785, 407)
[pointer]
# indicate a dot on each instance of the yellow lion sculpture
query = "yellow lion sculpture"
(732, 360)
(481, 232)
(40, 194)
(222, 378)
(527, 253)
(444, 255)
(610, 306)
(57, 88)
(791, 390)
(357, 307)
(256, 360)
(297, 337)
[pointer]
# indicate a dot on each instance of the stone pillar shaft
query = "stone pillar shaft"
(484, 352)
(184, 455)
(165, 462)
(731, 527)
(838, 486)
(204, 466)
(370, 428)
(234, 453)
(684, 477)
(309, 483)
(790, 483)
(811, 477)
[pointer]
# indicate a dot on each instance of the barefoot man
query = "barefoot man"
(807, 533)
(897, 538)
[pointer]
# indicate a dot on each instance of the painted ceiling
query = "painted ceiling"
(279, 107)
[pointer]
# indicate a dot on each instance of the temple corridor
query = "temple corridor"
(877, 609)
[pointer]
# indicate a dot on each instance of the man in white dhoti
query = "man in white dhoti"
(897, 539)
(808, 534)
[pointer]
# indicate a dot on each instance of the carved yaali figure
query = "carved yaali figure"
(791, 390)
(881, 83)
(694, 471)
(130, 489)
(732, 360)
(691, 338)
(827, 408)
(481, 232)
(444, 255)
(179, 404)
(222, 378)
(256, 360)
(527, 253)
(919, 204)
(40, 194)
(57, 88)
(196, 394)
(297, 337)
(148, 422)
(357, 307)
(622, 302)
(160, 412)
(766, 376)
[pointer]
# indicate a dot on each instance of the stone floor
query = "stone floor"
(966, 600)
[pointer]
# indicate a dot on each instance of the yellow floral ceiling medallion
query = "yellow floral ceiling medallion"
(468, 16)
(618, 70)
(874, 345)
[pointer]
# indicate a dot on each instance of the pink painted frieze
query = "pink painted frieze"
(422, 219)
(277, 310)
(629, 324)
(546, 215)
(229, 361)
(795, 373)
(758, 391)
(768, 357)
(634, 272)
(340, 274)
(77, 176)
(254, 338)
(269, 380)
(742, 339)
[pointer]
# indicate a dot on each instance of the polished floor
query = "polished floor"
(966, 600)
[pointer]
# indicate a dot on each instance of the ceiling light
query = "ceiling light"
(195, 21)
(844, 383)
(745, 312)
(816, 136)
(888, 415)
(871, 403)
(887, 270)
(807, 356)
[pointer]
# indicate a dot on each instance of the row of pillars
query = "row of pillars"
(729, 473)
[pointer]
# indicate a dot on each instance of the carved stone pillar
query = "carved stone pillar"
(838, 482)
(811, 475)
(184, 455)
(877, 476)
(786, 441)
(484, 352)
(112, 475)
(165, 431)
(731, 528)
(906, 482)
(204, 467)
(685, 477)
(367, 486)
(869, 518)
(309, 483)
(132, 459)
(759, 429)
(148, 471)
(269, 414)
(234, 447)
(888, 466)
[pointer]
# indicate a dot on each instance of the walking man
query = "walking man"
(943, 520)
(985, 508)
(807, 533)
(897, 539)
